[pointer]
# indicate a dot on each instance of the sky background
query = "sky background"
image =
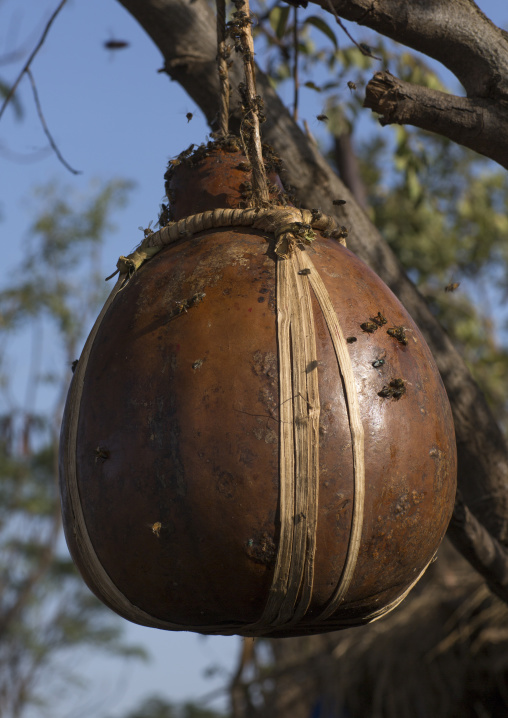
(112, 116)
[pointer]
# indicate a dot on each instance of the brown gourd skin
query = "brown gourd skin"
(181, 396)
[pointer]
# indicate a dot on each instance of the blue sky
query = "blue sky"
(112, 115)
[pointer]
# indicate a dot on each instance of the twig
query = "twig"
(45, 127)
(30, 59)
(296, 81)
(222, 64)
(362, 48)
(252, 103)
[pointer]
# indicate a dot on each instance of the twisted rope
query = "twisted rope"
(289, 225)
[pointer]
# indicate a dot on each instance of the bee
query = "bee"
(189, 116)
(101, 454)
(369, 327)
(74, 365)
(304, 271)
(339, 202)
(378, 363)
(244, 166)
(316, 214)
(379, 319)
(198, 364)
(322, 118)
(351, 340)
(116, 44)
(311, 366)
(351, 85)
(195, 299)
(395, 389)
(181, 306)
(398, 333)
(452, 287)
(340, 233)
(156, 528)
(185, 153)
(147, 231)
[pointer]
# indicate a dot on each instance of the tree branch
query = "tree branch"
(176, 26)
(483, 552)
(34, 52)
(454, 32)
(479, 124)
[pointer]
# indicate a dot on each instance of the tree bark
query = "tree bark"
(479, 124)
(185, 35)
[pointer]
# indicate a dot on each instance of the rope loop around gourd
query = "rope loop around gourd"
(289, 225)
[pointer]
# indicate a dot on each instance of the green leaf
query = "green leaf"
(321, 25)
(279, 20)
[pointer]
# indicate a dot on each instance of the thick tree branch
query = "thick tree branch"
(185, 35)
(483, 552)
(461, 37)
(454, 32)
(481, 125)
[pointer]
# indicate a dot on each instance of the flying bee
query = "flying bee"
(116, 44)
(378, 363)
(379, 319)
(351, 340)
(322, 118)
(398, 333)
(189, 116)
(304, 271)
(339, 202)
(351, 85)
(369, 327)
(147, 231)
(74, 365)
(452, 287)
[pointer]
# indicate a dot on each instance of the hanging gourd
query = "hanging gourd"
(256, 439)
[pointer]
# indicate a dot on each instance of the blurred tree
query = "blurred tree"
(45, 610)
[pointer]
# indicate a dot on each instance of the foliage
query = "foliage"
(45, 610)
